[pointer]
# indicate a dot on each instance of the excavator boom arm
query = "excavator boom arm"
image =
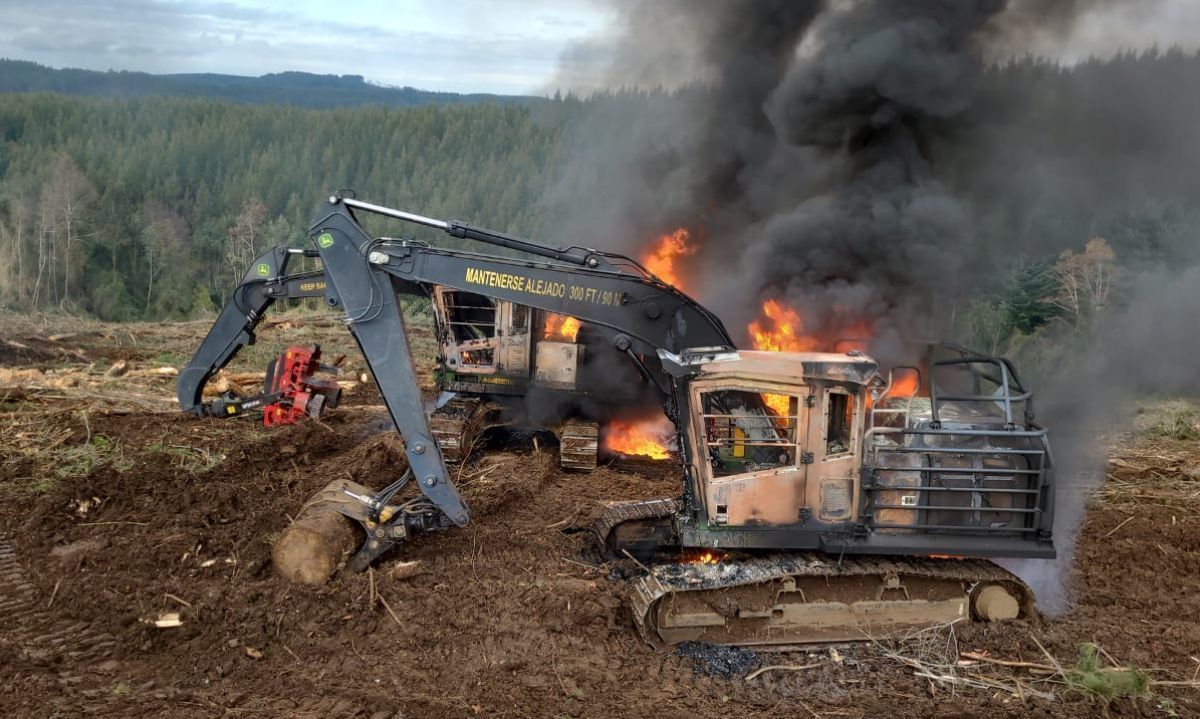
(362, 276)
(373, 316)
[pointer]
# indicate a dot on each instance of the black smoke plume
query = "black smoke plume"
(867, 159)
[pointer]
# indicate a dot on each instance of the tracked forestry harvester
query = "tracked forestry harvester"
(821, 499)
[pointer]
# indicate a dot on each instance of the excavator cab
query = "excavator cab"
(806, 450)
(781, 443)
(818, 455)
(479, 336)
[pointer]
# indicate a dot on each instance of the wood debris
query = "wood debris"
(781, 667)
(165, 620)
(118, 369)
(405, 570)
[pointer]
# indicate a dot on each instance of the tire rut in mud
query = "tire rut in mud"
(42, 639)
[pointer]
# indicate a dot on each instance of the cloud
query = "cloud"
(510, 46)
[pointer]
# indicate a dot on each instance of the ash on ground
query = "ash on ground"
(718, 660)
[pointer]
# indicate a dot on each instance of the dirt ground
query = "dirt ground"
(118, 511)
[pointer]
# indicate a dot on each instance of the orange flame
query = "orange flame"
(642, 439)
(778, 332)
(904, 385)
(661, 259)
(780, 329)
(780, 404)
(560, 327)
(707, 556)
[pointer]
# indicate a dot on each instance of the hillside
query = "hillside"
(301, 89)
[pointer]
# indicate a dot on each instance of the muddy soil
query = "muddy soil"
(513, 615)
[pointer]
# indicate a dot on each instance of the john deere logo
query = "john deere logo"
(264, 270)
(325, 240)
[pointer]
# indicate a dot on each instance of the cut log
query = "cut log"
(20, 376)
(223, 383)
(312, 547)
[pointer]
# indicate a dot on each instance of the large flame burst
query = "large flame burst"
(778, 330)
(662, 256)
(642, 439)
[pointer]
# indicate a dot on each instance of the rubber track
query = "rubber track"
(738, 571)
(742, 570)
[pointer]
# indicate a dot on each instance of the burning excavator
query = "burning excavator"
(506, 364)
(832, 500)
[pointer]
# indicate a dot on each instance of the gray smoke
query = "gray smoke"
(804, 145)
(1143, 348)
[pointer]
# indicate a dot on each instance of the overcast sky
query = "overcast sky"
(506, 46)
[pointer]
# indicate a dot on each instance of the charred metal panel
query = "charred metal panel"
(512, 354)
(760, 498)
(835, 439)
(480, 336)
(557, 364)
(837, 499)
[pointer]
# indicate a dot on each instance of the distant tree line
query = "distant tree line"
(1078, 177)
(301, 89)
(152, 208)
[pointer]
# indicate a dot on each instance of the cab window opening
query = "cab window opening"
(749, 431)
(839, 422)
(520, 319)
(472, 323)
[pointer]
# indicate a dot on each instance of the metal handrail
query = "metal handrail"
(967, 450)
(961, 470)
(1008, 379)
(960, 529)
(938, 508)
(873, 499)
(906, 411)
(971, 490)
(937, 432)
